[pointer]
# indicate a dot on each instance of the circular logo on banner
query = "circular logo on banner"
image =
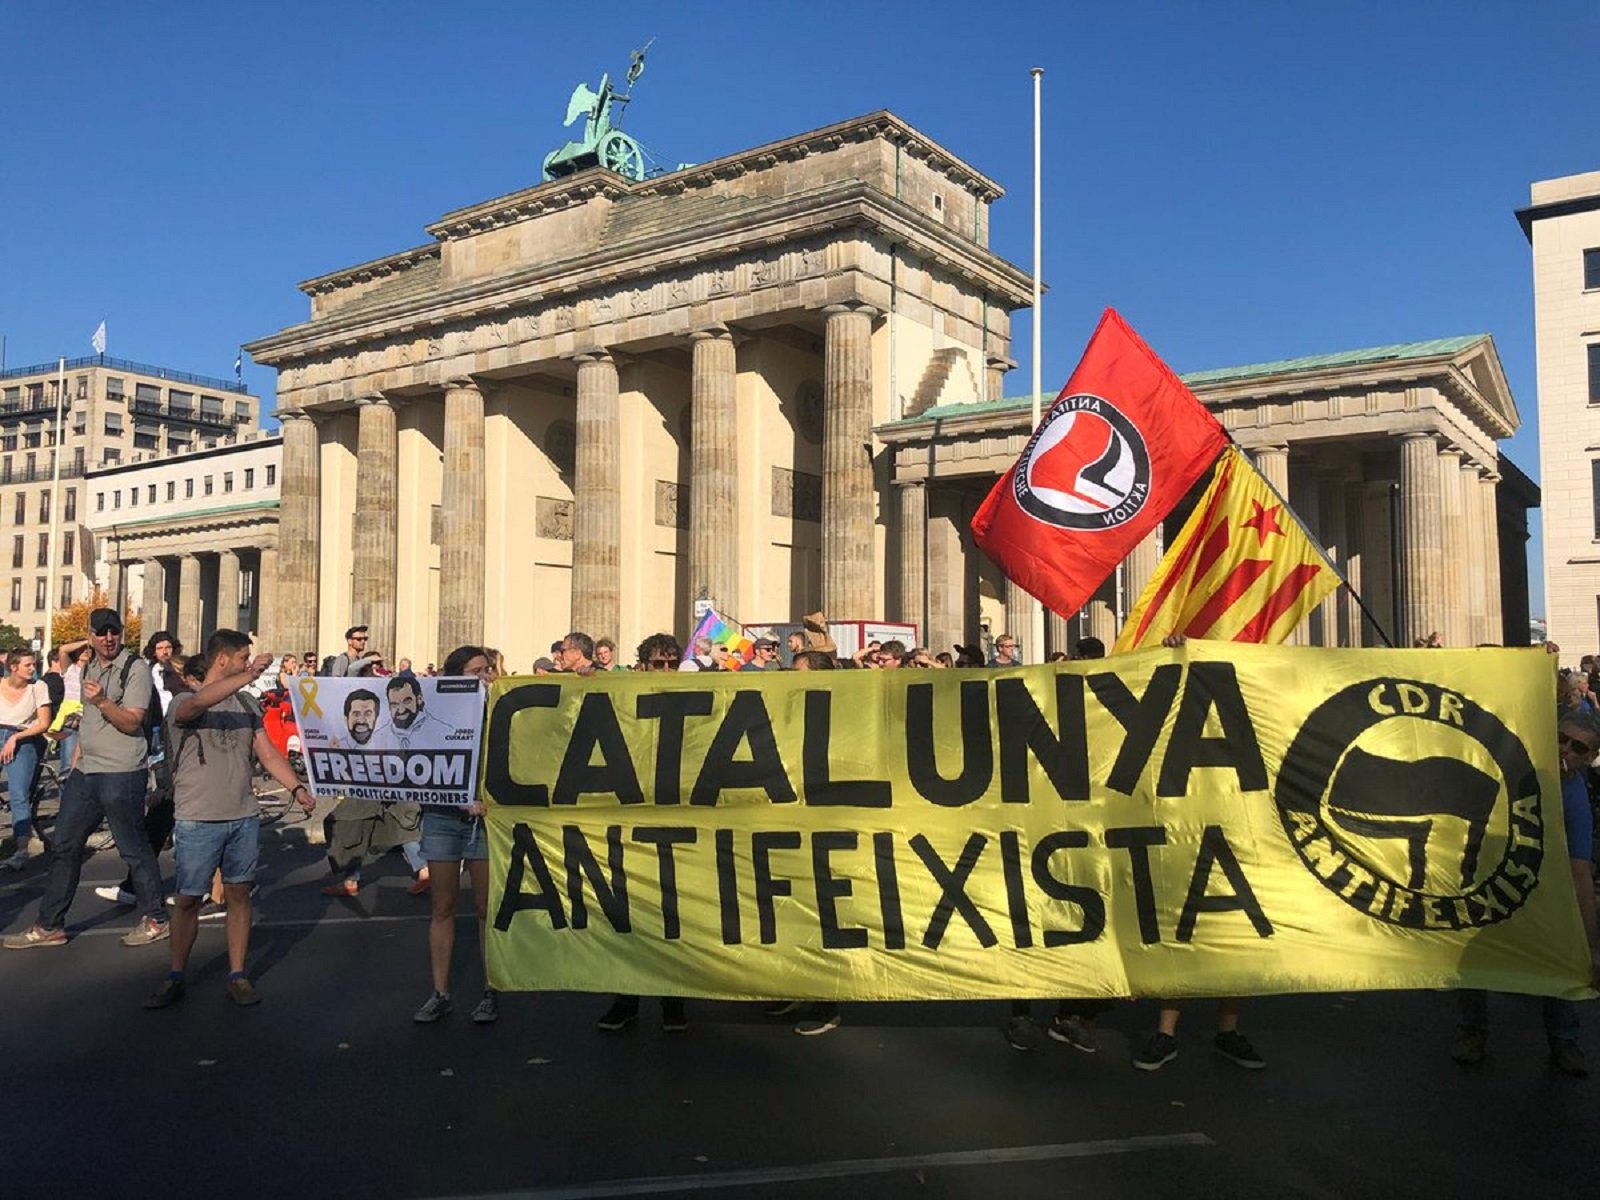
(1086, 466)
(1415, 805)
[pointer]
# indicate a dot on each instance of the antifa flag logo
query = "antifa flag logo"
(1414, 805)
(1086, 467)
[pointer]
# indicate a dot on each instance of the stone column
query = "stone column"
(1355, 565)
(947, 572)
(1141, 565)
(1100, 614)
(995, 376)
(1331, 532)
(847, 487)
(911, 530)
(1454, 629)
(188, 622)
(1273, 463)
(462, 520)
(1488, 487)
(152, 610)
(268, 639)
(714, 473)
(1056, 634)
(375, 532)
(1474, 565)
(1019, 621)
(299, 558)
(227, 590)
(596, 508)
(1422, 599)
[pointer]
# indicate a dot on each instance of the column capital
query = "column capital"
(1490, 475)
(463, 383)
(853, 306)
(711, 332)
(999, 362)
(908, 484)
(1449, 451)
(1270, 448)
(1419, 435)
(596, 355)
(293, 414)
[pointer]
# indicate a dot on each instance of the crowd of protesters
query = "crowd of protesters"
(165, 750)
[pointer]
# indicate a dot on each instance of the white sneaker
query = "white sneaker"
(36, 846)
(100, 841)
(115, 895)
(16, 862)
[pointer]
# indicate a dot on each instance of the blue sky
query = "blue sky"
(1244, 181)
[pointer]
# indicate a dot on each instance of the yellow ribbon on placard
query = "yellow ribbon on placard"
(308, 696)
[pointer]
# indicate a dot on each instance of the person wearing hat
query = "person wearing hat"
(763, 656)
(355, 661)
(109, 785)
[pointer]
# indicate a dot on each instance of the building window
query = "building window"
(99, 502)
(1594, 372)
(114, 389)
(66, 591)
(133, 496)
(180, 404)
(71, 513)
(116, 498)
(272, 475)
(16, 552)
(249, 478)
(151, 494)
(227, 482)
(12, 401)
(35, 395)
(44, 506)
(42, 558)
(172, 489)
(32, 462)
(8, 442)
(113, 424)
(77, 459)
(83, 387)
(241, 412)
(1591, 270)
(33, 438)
(1594, 466)
(67, 543)
(188, 489)
(41, 590)
(208, 484)
(5, 470)
(146, 441)
(22, 509)
(110, 457)
(16, 595)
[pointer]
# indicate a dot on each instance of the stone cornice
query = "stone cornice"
(378, 268)
(778, 222)
(535, 201)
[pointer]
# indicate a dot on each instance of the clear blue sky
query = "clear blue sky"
(1245, 182)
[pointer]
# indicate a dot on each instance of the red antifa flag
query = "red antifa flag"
(1118, 449)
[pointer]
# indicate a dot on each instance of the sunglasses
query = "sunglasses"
(1578, 745)
(108, 632)
(659, 664)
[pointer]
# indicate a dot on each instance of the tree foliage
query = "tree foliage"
(72, 622)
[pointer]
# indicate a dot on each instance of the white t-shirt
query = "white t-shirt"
(19, 710)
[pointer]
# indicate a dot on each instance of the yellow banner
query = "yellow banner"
(1212, 821)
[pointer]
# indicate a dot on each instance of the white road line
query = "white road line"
(845, 1168)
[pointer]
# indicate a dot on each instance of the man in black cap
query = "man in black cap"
(355, 661)
(108, 785)
(763, 656)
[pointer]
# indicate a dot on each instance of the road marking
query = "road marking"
(845, 1168)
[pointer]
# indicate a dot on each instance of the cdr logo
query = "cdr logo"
(1086, 467)
(1415, 805)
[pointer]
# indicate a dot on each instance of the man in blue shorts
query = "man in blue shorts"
(212, 734)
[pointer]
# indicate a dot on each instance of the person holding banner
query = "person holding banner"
(452, 838)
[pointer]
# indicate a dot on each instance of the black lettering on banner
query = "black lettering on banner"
(664, 838)
(1090, 901)
(1212, 685)
(1141, 719)
(525, 856)
(1137, 840)
(762, 843)
(1215, 852)
(830, 888)
(894, 924)
(953, 896)
(581, 863)
(727, 888)
(497, 781)
(1062, 752)
(1016, 897)
(597, 727)
(747, 720)
(817, 767)
(670, 709)
(922, 745)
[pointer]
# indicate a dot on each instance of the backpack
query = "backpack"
(327, 665)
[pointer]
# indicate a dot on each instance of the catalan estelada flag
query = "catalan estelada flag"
(1242, 570)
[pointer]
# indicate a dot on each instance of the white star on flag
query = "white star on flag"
(98, 341)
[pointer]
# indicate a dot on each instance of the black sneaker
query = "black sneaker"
(624, 1011)
(488, 1010)
(242, 992)
(435, 1006)
(1470, 1046)
(783, 1008)
(1074, 1032)
(1235, 1047)
(1566, 1056)
(673, 1018)
(823, 1019)
(1157, 1052)
(1021, 1033)
(169, 993)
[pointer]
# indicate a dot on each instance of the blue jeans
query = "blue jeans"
(203, 847)
(118, 797)
(21, 773)
(1560, 1016)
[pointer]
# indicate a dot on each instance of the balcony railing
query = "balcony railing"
(209, 382)
(42, 474)
(185, 416)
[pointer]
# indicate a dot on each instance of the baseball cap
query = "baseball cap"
(765, 644)
(105, 620)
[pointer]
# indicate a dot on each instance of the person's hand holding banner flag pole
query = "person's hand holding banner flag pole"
(1122, 444)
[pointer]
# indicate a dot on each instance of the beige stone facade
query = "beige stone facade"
(774, 381)
(113, 411)
(1563, 226)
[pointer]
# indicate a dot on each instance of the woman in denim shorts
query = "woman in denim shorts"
(452, 836)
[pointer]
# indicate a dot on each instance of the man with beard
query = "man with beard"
(409, 723)
(358, 828)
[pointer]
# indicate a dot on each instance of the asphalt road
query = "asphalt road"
(327, 1088)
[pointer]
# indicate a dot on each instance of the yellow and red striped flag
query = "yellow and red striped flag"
(1242, 570)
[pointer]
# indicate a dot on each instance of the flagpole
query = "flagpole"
(55, 515)
(1036, 632)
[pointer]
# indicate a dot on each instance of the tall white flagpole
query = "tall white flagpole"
(1035, 652)
(55, 517)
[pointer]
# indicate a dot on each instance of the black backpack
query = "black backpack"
(152, 727)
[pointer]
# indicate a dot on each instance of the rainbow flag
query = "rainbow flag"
(722, 632)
